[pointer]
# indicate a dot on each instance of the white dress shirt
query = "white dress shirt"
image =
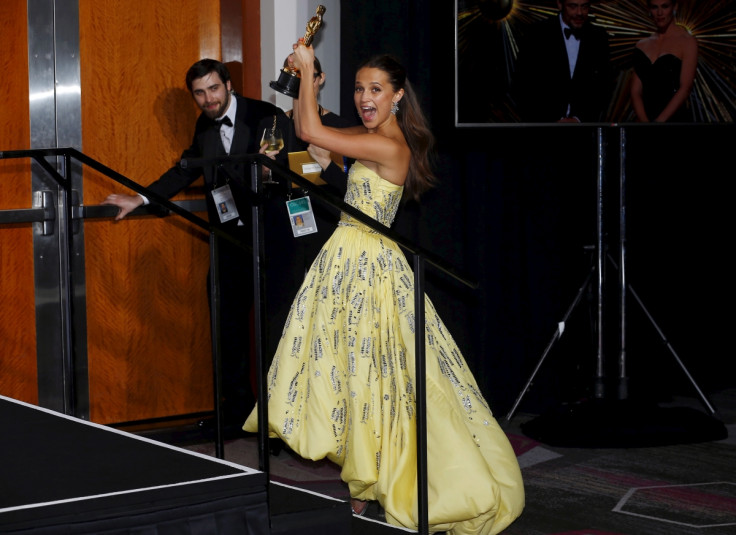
(572, 44)
(227, 131)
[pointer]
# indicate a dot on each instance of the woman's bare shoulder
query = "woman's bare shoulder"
(687, 38)
(645, 43)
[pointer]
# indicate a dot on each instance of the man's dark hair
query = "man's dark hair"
(204, 67)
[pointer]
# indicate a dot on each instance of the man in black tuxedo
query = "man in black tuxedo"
(563, 72)
(227, 125)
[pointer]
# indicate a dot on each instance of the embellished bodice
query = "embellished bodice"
(372, 195)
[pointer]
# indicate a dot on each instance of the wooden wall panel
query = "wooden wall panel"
(17, 313)
(147, 314)
(241, 44)
(251, 37)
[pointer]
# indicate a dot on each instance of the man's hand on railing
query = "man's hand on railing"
(126, 203)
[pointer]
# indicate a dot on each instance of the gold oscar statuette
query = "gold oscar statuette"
(289, 78)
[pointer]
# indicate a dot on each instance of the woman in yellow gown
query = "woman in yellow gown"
(342, 383)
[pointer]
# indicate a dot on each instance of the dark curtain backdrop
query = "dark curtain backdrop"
(516, 211)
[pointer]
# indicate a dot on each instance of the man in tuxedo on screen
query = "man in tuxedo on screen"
(227, 125)
(563, 71)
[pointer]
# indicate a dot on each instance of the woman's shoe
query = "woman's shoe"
(358, 507)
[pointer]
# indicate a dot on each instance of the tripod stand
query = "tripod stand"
(597, 271)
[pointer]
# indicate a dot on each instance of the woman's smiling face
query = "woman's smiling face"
(662, 12)
(373, 96)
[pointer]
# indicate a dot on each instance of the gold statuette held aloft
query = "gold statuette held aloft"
(288, 82)
(313, 25)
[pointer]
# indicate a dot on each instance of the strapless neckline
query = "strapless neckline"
(658, 58)
(660, 80)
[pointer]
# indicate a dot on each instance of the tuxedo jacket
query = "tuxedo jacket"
(207, 144)
(543, 87)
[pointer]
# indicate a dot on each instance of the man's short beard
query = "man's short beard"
(221, 110)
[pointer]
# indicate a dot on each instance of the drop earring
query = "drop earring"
(394, 108)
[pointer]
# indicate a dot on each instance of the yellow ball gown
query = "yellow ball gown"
(342, 384)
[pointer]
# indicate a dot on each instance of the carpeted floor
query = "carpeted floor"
(663, 489)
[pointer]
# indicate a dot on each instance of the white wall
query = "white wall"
(282, 23)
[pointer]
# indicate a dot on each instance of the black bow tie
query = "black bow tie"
(574, 33)
(225, 121)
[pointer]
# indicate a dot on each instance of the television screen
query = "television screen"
(513, 61)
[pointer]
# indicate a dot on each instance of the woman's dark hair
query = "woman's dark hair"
(413, 125)
(204, 67)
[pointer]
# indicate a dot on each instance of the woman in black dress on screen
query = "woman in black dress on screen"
(664, 68)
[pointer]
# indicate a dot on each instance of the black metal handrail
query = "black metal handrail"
(420, 258)
(336, 202)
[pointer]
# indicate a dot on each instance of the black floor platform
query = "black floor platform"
(65, 475)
